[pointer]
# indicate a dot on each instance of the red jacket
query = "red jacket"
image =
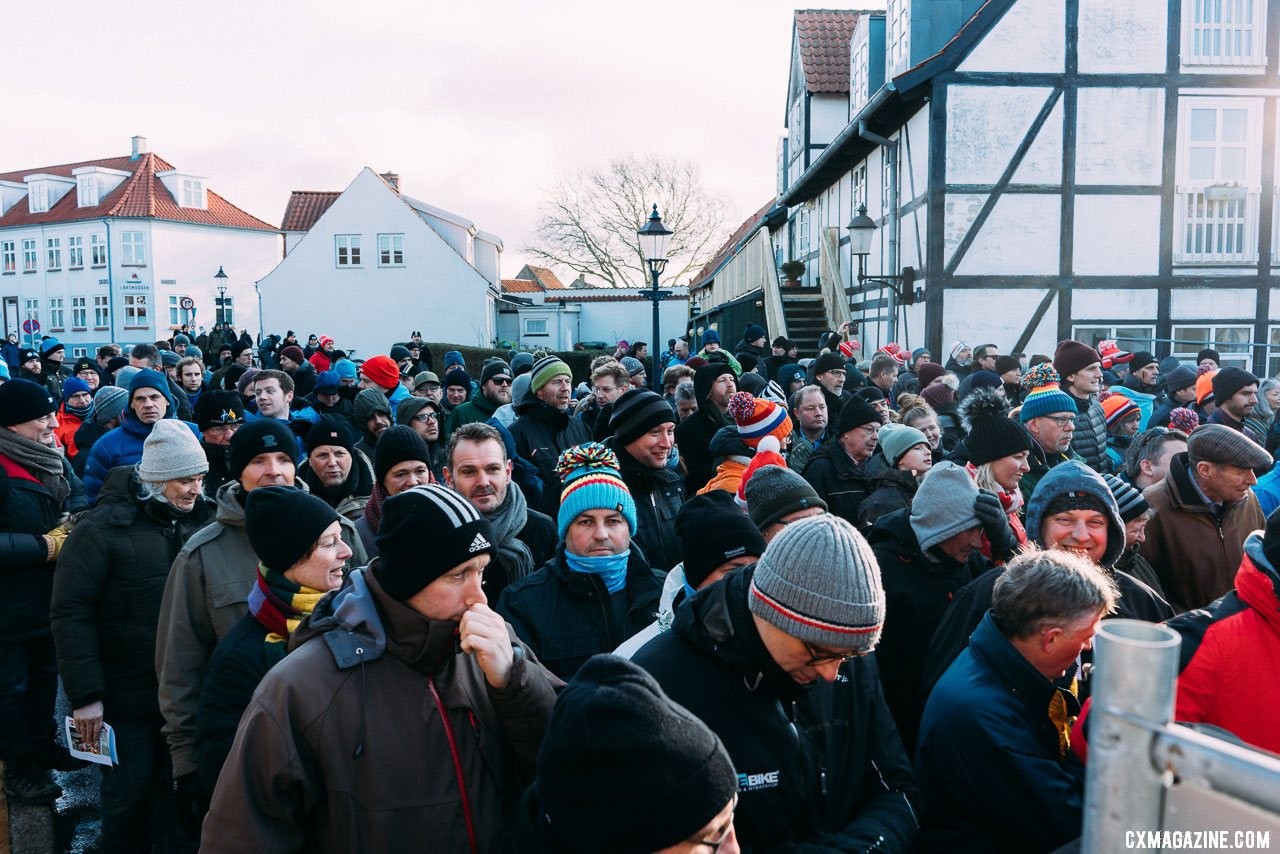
(1231, 655)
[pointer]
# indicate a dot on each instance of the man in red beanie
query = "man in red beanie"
(1080, 367)
(382, 373)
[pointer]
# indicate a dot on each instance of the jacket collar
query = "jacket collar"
(1258, 582)
(989, 645)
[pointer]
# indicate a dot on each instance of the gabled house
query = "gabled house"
(124, 250)
(369, 264)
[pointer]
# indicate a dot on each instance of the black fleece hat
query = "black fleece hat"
(712, 530)
(217, 408)
(854, 413)
(637, 412)
(1208, 353)
(611, 716)
(1228, 381)
(264, 436)
(397, 444)
(22, 401)
(331, 430)
(1179, 378)
(283, 523)
(706, 376)
(427, 531)
(239, 347)
(828, 362)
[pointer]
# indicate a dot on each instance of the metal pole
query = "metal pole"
(1135, 667)
(655, 381)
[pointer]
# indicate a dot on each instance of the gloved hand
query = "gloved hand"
(54, 540)
(189, 802)
(995, 524)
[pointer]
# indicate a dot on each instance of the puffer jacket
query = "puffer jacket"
(1090, 438)
(206, 594)
(318, 762)
(106, 595)
(542, 433)
(820, 767)
(120, 447)
(891, 489)
(659, 495)
(838, 480)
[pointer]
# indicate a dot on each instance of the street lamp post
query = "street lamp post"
(220, 282)
(654, 238)
(902, 291)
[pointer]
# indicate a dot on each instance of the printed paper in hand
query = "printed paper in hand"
(103, 752)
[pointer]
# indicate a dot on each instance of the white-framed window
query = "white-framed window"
(39, 201)
(1131, 338)
(347, 250)
(1224, 32)
(135, 311)
(133, 249)
(29, 255)
(192, 193)
(897, 47)
(75, 252)
(177, 314)
(79, 352)
(86, 191)
(98, 250)
(79, 313)
(31, 309)
(8, 256)
(101, 312)
(1219, 185)
(1231, 342)
(858, 183)
(860, 65)
(1273, 352)
(224, 310)
(390, 250)
(535, 326)
(57, 314)
(53, 247)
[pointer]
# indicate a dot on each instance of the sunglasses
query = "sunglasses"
(500, 380)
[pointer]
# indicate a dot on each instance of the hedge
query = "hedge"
(579, 361)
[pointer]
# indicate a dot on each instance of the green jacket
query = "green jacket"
(478, 408)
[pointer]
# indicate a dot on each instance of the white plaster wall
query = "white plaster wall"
(828, 115)
(985, 124)
(609, 321)
(981, 315)
(1120, 136)
(1122, 37)
(1030, 37)
(1020, 237)
(1213, 304)
(1125, 303)
(1043, 161)
(915, 157)
(1117, 236)
(913, 231)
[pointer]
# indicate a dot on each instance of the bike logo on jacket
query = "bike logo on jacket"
(756, 782)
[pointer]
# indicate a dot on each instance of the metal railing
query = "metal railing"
(1216, 226)
(1223, 32)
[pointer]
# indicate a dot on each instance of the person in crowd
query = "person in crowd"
(1205, 401)
(1146, 462)
(759, 426)
(960, 361)
(38, 489)
(190, 373)
(12, 349)
(1262, 421)
(287, 528)
(1123, 418)
(941, 397)
(903, 459)
(1080, 368)
(913, 411)
(712, 351)
(427, 384)
(794, 632)
(597, 590)
(995, 735)
(838, 469)
(327, 398)
(685, 402)
(147, 357)
(480, 470)
(831, 373)
(776, 497)
(495, 391)
(53, 371)
(383, 374)
(714, 385)
(295, 365)
(672, 377)
(105, 605)
(883, 375)
(1049, 415)
(417, 627)
(1135, 512)
(643, 436)
(424, 415)
(609, 381)
(1009, 369)
(29, 367)
(875, 397)
(636, 375)
(373, 417)
(908, 381)
(1204, 511)
(219, 414)
(809, 409)
(457, 388)
(333, 471)
(1141, 384)
(401, 461)
(149, 402)
(926, 553)
(790, 379)
(108, 407)
(1235, 393)
(614, 715)
(207, 593)
(85, 369)
(753, 342)
(77, 405)
(779, 354)
(544, 427)
(1178, 390)
(999, 451)
(273, 392)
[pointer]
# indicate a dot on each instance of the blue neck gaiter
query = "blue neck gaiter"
(612, 569)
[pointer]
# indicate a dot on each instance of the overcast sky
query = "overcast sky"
(477, 105)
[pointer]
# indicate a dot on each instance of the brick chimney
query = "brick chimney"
(139, 147)
(391, 178)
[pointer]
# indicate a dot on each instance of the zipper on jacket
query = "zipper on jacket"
(457, 764)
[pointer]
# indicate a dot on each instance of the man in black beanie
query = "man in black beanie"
(333, 471)
(1178, 389)
(613, 715)
(644, 427)
(713, 385)
(1236, 393)
(838, 469)
(406, 660)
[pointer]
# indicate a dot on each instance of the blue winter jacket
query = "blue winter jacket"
(120, 447)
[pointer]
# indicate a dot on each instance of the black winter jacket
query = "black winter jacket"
(565, 617)
(90, 431)
(1090, 438)
(891, 489)
(107, 591)
(238, 665)
(542, 433)
(838, 480)
(693, 435)
(821, 764)
(659, 495)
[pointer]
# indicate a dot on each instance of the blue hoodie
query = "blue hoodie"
(1075, 476)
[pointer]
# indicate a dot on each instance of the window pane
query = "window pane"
(1134, 338)
(1203, 125)
(1190, 334)
(1235, 125)
(1233, 335)
(1201, 164)
(1232, 164)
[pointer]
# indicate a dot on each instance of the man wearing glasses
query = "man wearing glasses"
(774, 659)
(424, 416)
(1049, 414)
(495, 390)
(838, 469)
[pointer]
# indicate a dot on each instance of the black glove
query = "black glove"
(995, 524)
(189, 802)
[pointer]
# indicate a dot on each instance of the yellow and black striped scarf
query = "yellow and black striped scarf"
(280, 605)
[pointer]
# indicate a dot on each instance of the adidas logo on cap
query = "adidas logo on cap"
(479, 544)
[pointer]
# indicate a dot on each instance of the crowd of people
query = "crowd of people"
(834, 603)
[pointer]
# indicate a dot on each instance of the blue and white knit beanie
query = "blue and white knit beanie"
(592, 482)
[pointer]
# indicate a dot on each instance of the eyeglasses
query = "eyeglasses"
(817, 658)
(1060, 420)
(714, 844)
(500, 380)
(424, 417)
(223, 429)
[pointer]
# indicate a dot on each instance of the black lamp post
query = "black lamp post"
(654, 238)
(902, 291)
(220, 282)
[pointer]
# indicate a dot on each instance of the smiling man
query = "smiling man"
(644, 426)
(775, 660)
(544, 428)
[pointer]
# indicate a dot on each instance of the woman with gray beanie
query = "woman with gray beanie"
(106, 604)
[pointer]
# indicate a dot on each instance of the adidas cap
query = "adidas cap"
(427, 531)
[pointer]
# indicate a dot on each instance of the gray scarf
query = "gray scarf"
(43, 462)
(508, 520)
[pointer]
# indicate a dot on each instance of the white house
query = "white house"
(111, 250)
(367, 265)
(1055, 168)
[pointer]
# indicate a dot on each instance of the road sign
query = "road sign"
(187, 303)
(31, 327)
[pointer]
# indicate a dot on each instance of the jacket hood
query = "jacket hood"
(1075, 476)
(1258, 582)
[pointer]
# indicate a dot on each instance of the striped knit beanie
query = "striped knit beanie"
(818, 581)
(1130, 500)
(427, 531)
(1116, 408)
(757, 418)
(636, 413)
(592, 482)
(1046, 397)
(545, 370)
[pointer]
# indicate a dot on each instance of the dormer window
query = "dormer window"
(38, 197)
(187, 188)
(898, 37)
(192, 193)
(87, 191)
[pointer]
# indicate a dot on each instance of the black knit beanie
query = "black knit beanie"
(395, 445)
(217, 408)
(1065, 501)
(264, 436)
(22, 401)
(611, 716)
(283, 523)
(427, 531)
(712, 531)
(854, 413)
(331, 430)
(993, 435)
(637, 412)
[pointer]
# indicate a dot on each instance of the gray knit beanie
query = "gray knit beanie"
(108, 403)
(943, 505)
(818, 581)
(125, 375)
(777, 491)
(172, 451)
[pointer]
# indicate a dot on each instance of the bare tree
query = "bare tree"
(589, 220)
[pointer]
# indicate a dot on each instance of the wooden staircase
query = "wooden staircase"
(806, 318)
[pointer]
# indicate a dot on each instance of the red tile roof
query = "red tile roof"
(726, 249)
(544, 277)
(305, 207)
(822, 37)
(142, 194)
(520, 286)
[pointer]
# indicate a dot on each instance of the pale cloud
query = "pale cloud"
(476, 105)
